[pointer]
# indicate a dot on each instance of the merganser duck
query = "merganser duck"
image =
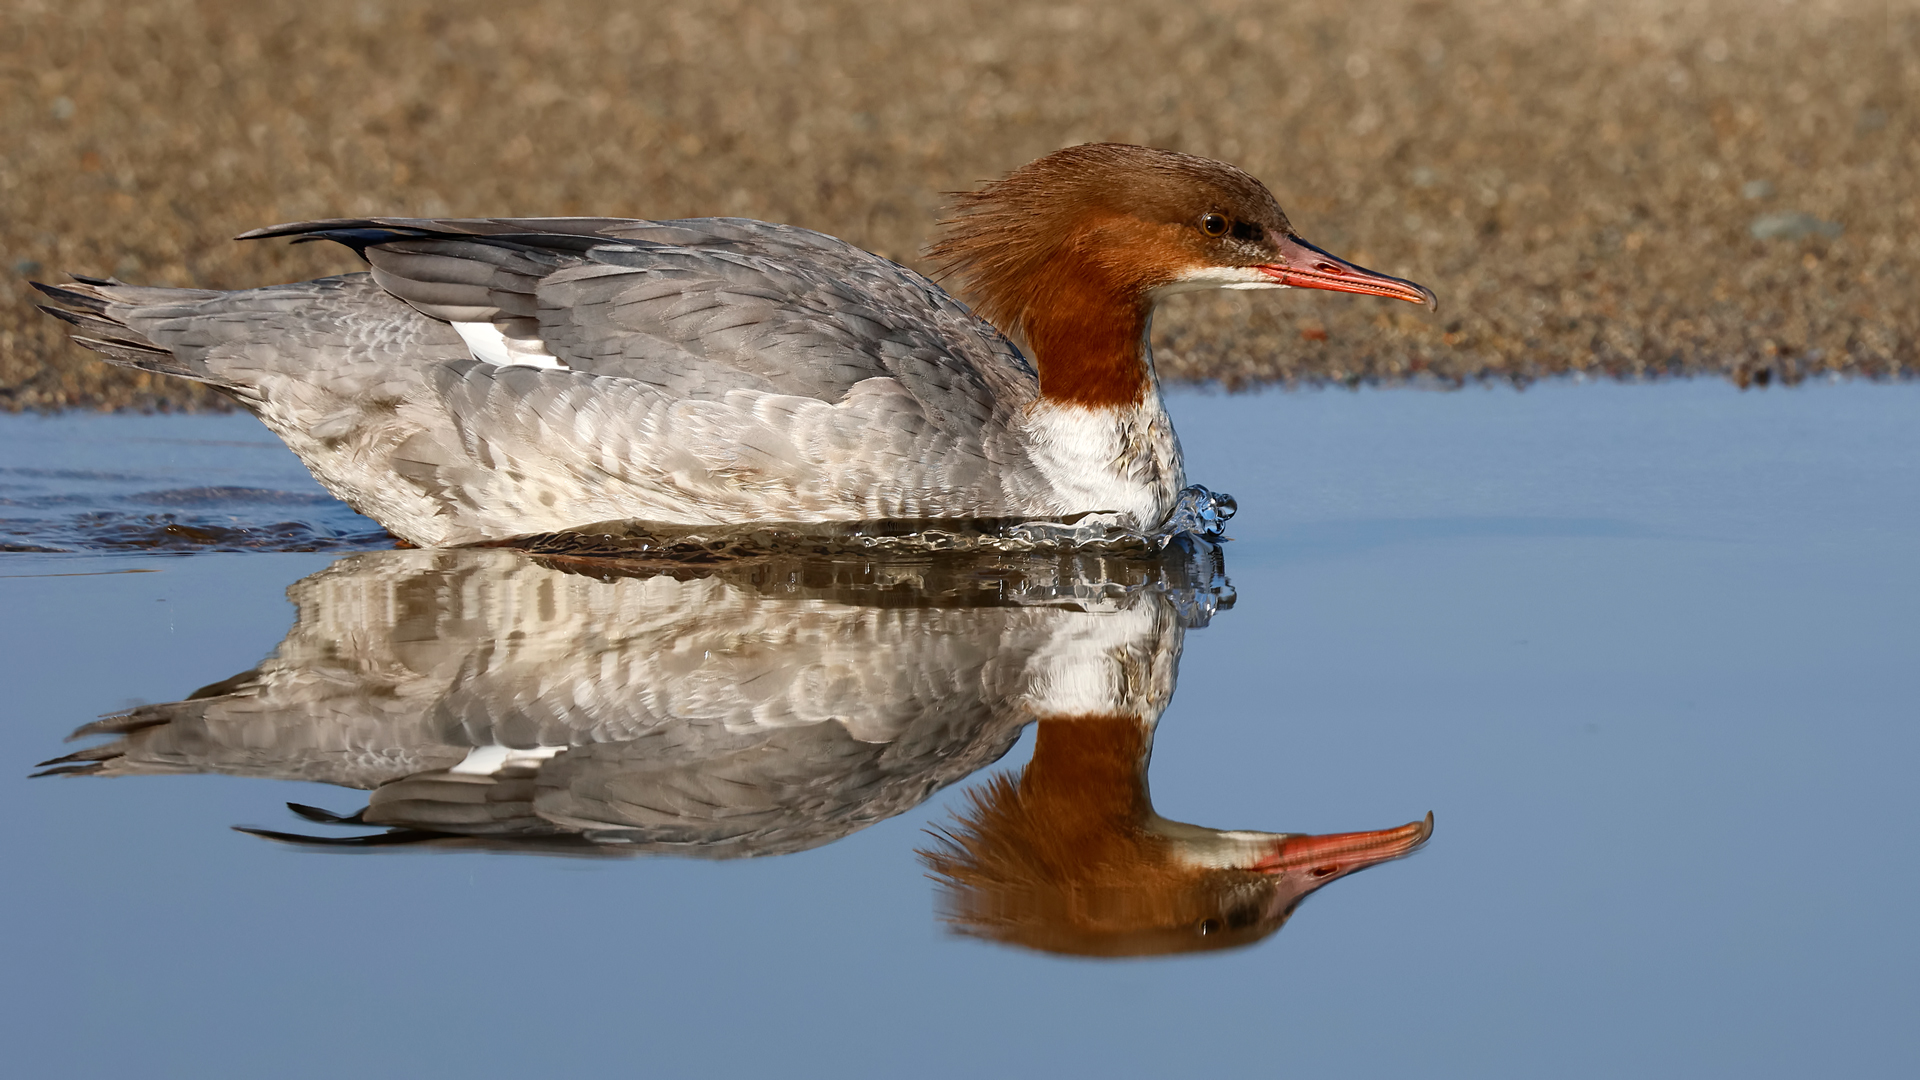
(495, 378)
(1069, 857)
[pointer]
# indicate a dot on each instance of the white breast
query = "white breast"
(1121, 460)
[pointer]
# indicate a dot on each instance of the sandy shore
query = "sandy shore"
(1633, 188)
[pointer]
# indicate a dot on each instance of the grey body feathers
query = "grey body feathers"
(712, 371)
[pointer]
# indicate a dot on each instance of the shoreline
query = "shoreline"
(1648, 189)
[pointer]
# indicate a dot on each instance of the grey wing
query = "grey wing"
(698, 307)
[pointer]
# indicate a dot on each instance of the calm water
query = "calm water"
(1647, 653)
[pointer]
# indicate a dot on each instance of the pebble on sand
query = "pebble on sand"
(1793, 225)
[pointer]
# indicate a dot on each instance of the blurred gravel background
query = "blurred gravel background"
(1633, 188)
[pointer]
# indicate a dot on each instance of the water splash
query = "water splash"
(1202, 513)
(1198, 514)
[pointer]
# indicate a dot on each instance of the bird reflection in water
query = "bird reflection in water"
(499, 700)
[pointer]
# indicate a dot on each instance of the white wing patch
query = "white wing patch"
(490, 760)
(489, 346)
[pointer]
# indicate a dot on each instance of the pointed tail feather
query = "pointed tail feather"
(104, 752)
(90, 305)
(83, 769)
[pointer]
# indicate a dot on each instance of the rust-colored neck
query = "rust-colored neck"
(1078, 288)
(1088, 334)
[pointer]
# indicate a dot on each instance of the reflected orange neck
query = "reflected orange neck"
(1087, 779)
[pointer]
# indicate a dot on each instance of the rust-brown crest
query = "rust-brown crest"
(1065, 255)
(1060, 858)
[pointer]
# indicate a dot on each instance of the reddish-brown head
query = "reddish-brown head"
(1069, 857)
(1069, 253)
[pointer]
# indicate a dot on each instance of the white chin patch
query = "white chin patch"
(489, 346)
(1219, 277)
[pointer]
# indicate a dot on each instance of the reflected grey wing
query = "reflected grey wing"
(696, 789)
(483, 694)
(780, 791)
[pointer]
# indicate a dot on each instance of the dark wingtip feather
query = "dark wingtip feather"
(86, 301)
(91, 753)
(295, 228)
(102, 333)
(63, 314)
(326, 817)
(356, 233)
(120, 723)
(391, 836)
(82, 769)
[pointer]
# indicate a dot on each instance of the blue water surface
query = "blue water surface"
(1647, 652)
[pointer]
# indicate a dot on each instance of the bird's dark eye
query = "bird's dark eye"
(1209, 926)
(1214, 225)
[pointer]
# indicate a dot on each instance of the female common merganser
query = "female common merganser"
(497, 378)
